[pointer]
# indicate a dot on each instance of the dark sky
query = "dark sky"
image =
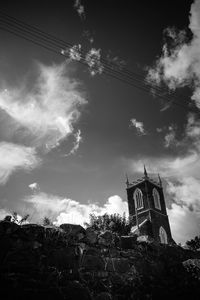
(111, 146)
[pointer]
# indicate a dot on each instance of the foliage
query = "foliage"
(114, 222)
(47, 222)
(16, 219)
(194, 244)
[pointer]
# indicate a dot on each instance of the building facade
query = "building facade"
(147, 209)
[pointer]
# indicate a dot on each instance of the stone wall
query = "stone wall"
(70, 262)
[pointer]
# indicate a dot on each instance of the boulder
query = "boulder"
(120, 265)
(106, 238)
(103, 296)
(65, 258)
(93, 263)
(192, 266)
(73, 231)
(7, 227)
(127, 242)
(33, 232)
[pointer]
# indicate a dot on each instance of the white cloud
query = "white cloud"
(185, 224)
(179, 64)
(14, 157)
(74, 53)
(139, 126)
(80, 9)
(93, 59)
(170, 137)
(34, 186)
(78, 140)
(65, 210)
(44, 114)
(4, 213)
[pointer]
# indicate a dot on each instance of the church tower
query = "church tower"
(147, 209)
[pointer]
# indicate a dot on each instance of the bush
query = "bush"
(114, 222)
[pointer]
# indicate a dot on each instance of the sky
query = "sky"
(69, 133)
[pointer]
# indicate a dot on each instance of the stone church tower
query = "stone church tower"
(147, 209)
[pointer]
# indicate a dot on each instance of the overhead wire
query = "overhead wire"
(49, 42)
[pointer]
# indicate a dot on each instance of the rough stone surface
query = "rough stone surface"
(71, 263)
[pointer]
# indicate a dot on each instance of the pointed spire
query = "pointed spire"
(160, 181)
(145, 173)
(127, 181)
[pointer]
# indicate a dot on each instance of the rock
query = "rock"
(106, 238)
(65, 258)
(103, 296)
(8, 227)
(192, 266)
(93, 263)
(91, 235)
(77, 232)
(127, 242)
(120, 265)
(75, 290)
(33, 232)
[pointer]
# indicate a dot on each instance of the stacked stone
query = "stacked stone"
(69, 262)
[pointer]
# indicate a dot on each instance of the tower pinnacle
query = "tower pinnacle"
(145, 173)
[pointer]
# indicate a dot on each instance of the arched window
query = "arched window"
(156, 198)
(163, 235)
(138, 198)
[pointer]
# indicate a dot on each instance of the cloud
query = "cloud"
(185, 223)
(179, 64)
(44, 115)
(79, 8)
(4, 213)
(34, 186)
(78, 140)
(14, 157)
(138, 125)
(63, 210)
(170, 137)
(115, 62)
(93, 59)
(74, 53)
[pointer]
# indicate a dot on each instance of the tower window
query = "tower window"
(138, 198)
(156, 198)
(163, 235)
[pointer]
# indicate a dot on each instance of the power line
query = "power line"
(53, 44)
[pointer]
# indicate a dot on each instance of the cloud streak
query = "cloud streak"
(139, 126)
(14, 157)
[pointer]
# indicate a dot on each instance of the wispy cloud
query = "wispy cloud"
(79, 8)
(139, 126)
(74, 53)
(93, 59)
(63, 210)
(78, 139)
(14, 157)
(45, 113)
(34, 187)
(170, 137)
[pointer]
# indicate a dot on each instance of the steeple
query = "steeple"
(145, 173)
(127, 181)
(160, 181)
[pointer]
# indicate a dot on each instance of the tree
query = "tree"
(47, 222)
(19, 220)
(194, 244)
(114, 222)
